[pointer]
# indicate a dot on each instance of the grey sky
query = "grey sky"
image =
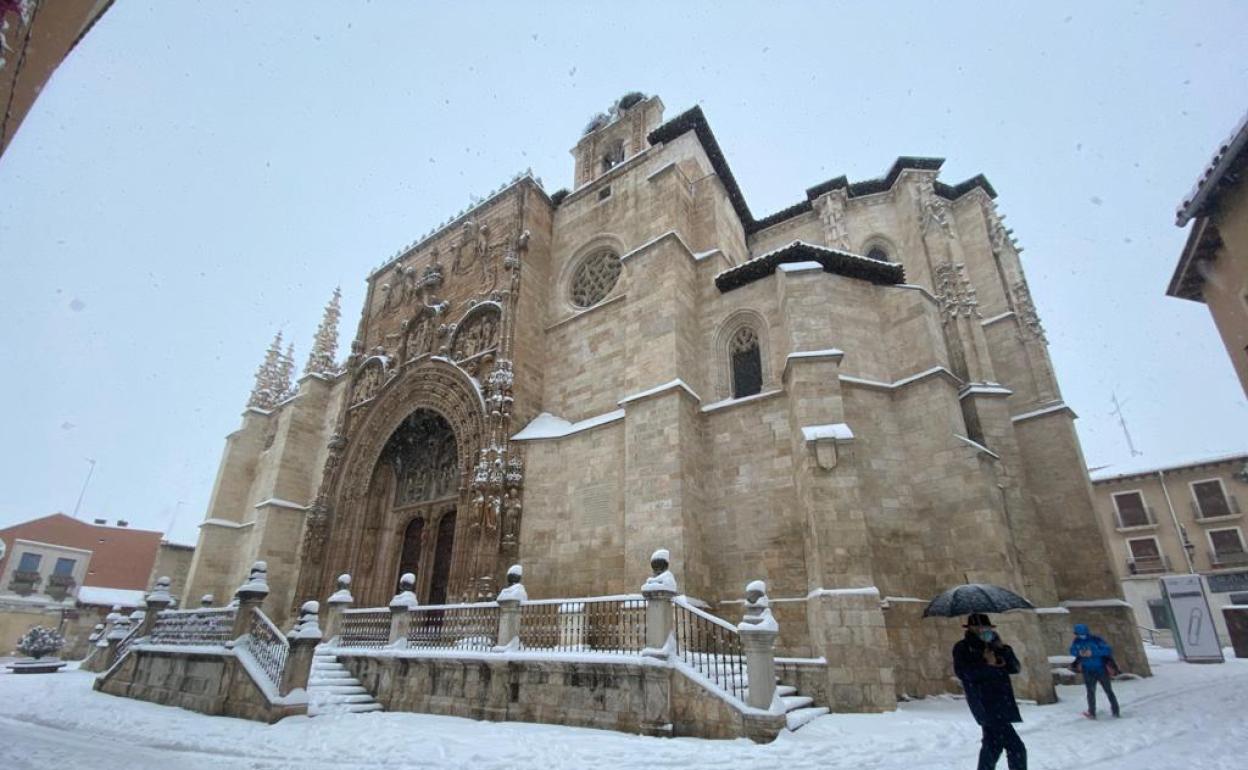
(197, 176)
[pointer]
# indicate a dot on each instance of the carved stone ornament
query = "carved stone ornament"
(1026, 310)
(424, 457)
(368, 381)
(477, 332)
(935, 210)
(831, 208)
(954, 291)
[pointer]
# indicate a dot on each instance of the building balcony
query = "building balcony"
(1154, 565)
(59, 586)
(1216, 512)
(1231, 559)
(1132, 521)
(23, 583)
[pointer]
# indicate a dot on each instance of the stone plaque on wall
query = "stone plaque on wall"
(596, 503)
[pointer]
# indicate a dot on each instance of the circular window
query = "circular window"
(595, 277)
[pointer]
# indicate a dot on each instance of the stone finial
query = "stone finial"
(343, 594)
(661, 578)
(269, 388)
(757, 609)
(207, 600)
(406, 597)
(114, 614)
(160, 593)
(308, 624)
(257, 580)
(322, 359)
(515, 588)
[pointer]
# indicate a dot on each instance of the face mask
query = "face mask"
(987, 635)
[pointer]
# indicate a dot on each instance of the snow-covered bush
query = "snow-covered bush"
(40, 641)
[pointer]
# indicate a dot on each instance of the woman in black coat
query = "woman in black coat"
(984, 664)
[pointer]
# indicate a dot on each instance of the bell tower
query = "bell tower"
(616, 135)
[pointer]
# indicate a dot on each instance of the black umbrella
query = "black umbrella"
(975, 597)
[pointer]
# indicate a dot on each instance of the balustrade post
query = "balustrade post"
(659, 590)
(759, 631)
(401, 607)
(509, 600)
(249, 597)
(303, 639)
(120, 630)
(206, 601)
(157, 602)
(338, 601)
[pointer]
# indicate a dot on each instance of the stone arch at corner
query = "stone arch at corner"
(432, 384)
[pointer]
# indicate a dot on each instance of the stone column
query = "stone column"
(659, 589)
(759, 632)
(250, 596)
(120, 630)
(157, 602)
(509, 600)
(401, 607)
(303, 638)
(339, 601)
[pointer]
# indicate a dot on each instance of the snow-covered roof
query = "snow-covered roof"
(1140, 467)
(108, 597)
(1229, 154)
(831, 260)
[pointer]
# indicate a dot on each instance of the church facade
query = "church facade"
(851, 399)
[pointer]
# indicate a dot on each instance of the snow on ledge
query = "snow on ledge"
(278, 502)
(985, 389)
(1057, 406)
(868, 591)
(825, 353)
(548, 426)
(224, 523)
(1076, 603)
(977, 446)
(933, 371)
(727, 402)
(1052, 611)
(110, 596)
(837, 431)
(799, 267)
(995, 318)
(674, 384)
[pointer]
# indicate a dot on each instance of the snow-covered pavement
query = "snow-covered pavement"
(1185, 716)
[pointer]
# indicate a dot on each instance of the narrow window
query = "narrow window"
(1228, 547)
(1210, 499)
(63, 567)
(29, 562)
(747, 363)
(1145, 557)
(1131, 510)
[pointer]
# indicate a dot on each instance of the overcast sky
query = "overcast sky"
(197, 176)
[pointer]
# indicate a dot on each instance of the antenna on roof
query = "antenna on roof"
(85, 482)
(1123, 422)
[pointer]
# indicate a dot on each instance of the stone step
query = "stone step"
(363, 708)
(324, 699)
(332, 674)
(795, 702)
(799, 717)
(349, 689)
(785, 689)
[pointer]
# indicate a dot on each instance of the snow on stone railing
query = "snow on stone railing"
(266, 645)
(603, 624)
(454, 626)
(365, 627)
(198, 626)
(710, 646)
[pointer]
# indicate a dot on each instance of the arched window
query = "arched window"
(595, 277)
(614, 156)
(747, 363)
(878, 252)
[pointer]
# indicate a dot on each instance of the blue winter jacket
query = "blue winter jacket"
(1101, 651)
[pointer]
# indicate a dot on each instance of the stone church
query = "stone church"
(851, 398)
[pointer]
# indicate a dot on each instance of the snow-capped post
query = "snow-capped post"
(303, 638)
(659, 590)
(338, 601)
(401, 607)
(206, 600)
(157, 602)
(119, 631)
(758, 630)
(250, 596)
(509, 600)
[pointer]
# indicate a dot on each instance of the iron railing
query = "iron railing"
(123, 646)
(711, 646)
(1229, 558)
(199, 626)
(1136, 518)
(1212, 509)
(365, 627)
(454, 626)
(267, 645)
(1148, 565)
(605, 624)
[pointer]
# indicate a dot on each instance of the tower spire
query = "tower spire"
(325, 347)
(286, 373)
(268, 389)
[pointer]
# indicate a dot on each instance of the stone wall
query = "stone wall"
(211, 682)
(636, 695)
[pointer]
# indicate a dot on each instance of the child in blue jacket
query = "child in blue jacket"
(1095, 658)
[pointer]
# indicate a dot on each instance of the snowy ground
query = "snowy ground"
(1185, 716)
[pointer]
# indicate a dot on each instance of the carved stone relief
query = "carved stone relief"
(367, 381)
(425, 459)
(477, 333)
(954, 291)
(1026, 310)
(831, 208)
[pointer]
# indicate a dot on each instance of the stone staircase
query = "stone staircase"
(798, 709)
(332, 689)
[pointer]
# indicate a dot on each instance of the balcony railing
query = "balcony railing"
(1229, 507)
(1136, 518)
(1230, 559)
(1150, 565)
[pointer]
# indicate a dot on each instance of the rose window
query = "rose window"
(594, 278)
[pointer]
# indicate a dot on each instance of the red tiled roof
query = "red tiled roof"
(121, 557)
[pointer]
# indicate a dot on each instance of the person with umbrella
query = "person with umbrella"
(984, 664)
